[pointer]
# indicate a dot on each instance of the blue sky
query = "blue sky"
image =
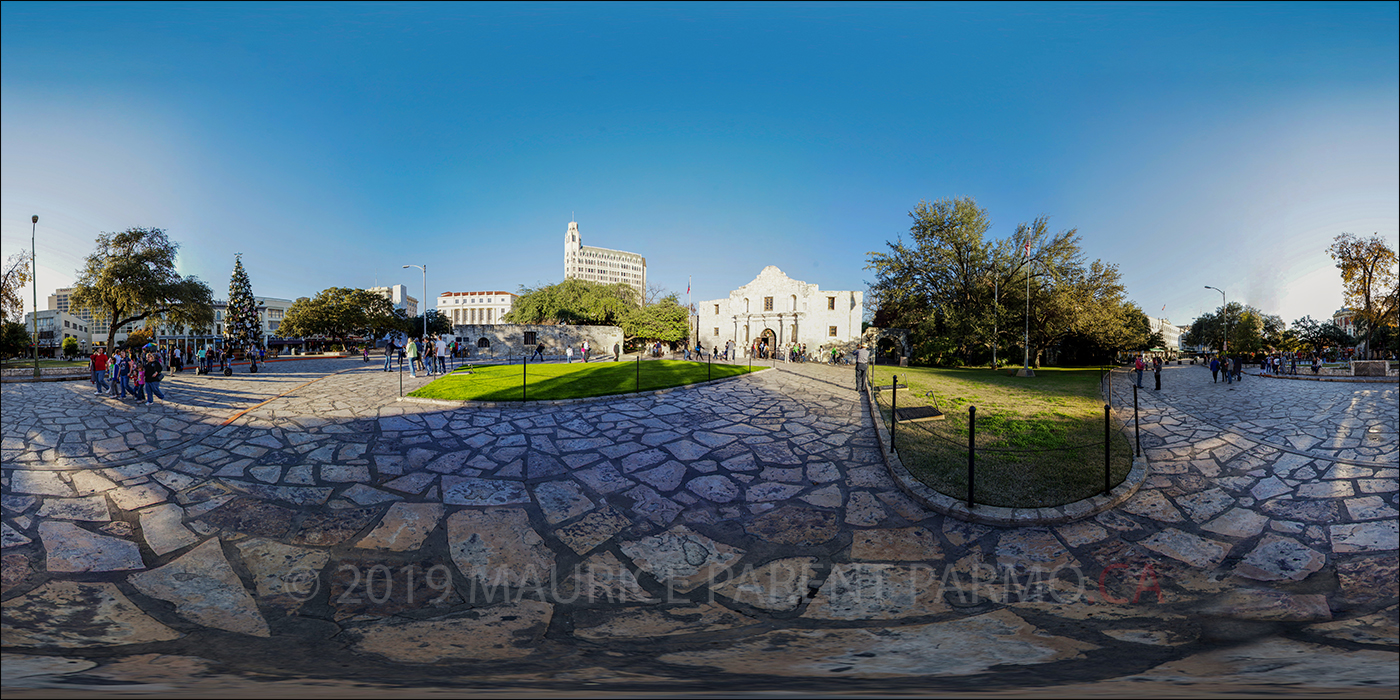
(1191, 144)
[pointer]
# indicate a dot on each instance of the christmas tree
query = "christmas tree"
(241, 327)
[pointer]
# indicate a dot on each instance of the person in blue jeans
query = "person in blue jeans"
(154, 375)
(388, 356)
(1138, 367)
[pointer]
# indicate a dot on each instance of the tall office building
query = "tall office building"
(601, 264)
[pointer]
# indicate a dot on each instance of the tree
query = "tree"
(139, 337)
(438, 324)
(666, 320)
(70, 347)
(16, 274)
(574, 302)
(131, 277)
(1370, 283)
(944, 269)
(14, 338)
(339, 312)
(242, 325)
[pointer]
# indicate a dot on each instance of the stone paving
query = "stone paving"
(738, 535)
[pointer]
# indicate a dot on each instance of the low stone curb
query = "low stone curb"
(1321, 378)
(50, 378)
(569, 402)
(997, 515)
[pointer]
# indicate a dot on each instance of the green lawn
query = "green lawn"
(44, 364)
(1039, 440)
(556, 381)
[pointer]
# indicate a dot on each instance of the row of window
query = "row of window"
(768, 304)
(830, 332)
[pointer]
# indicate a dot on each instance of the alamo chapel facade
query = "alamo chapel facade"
(782, 310)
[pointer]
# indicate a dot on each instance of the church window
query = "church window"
(483, 343)
(767, 303)
(530, 337)
(794, 302)
(716, 309)
(716, 331)
(831, 303)
(831, 331)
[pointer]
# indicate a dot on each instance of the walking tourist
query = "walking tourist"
(154, 375)
(569, 355)
(1214, 370)
(412, 351)
(539, 351)
(388, 355)
(441, 347)
(98, 363)
(862, 364)
(1138, 366)
(1157, 372)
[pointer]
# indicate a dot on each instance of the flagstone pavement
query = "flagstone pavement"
(303, 527)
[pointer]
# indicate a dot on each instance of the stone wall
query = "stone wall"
(1369, 368)
(506, 339)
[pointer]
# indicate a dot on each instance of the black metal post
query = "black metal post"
(710, 368)
(894, 407)
(1137, 426)
(400, 377)
(1105, 450)
(524, 379)
(971, 449)
(639, 373)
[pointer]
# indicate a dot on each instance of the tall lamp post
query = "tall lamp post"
(424, 268)
(34, 261)
(1225, 343)
(1026, 370)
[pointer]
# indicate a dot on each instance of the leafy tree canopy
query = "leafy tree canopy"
(438, 324)
(1370, 281)
(16, 274)
(339, 312)
(14, 338)
(958, 292)
(574, 302)
(666, 320)
(132, 277)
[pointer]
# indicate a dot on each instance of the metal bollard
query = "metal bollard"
(1137, 427)
(971, 450)
(639, 373)
(1105, 450)
(894, 408)
(523, 378)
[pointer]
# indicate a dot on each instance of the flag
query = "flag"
(1028, 249)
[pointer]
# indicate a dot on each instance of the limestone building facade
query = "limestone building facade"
(601, 264)
(398, 296)
(504, 340)
(783, 310)
(476, 308)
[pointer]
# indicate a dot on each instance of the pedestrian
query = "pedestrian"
(365, 351)
(862, 364)
(441, 347)
(388, 355)
(583, 350)
(1214, 370)
(1316, 364)
(1138, 366)
(97, 362)
(138, 377)
(177, 361)
(154, 374)
(617, 352)
(569, 354)
(412, 351)
(539, 351)
(1157, 372)
(123, 375)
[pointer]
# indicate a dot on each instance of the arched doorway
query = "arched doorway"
(887, 350)
(768, 341)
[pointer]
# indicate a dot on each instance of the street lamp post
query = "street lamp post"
(424, 268)
(34, 262)
(1224, 314)
(1026, 370)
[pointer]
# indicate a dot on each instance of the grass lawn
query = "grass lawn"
(44, 364)
(1039, 440)
(555, 381)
